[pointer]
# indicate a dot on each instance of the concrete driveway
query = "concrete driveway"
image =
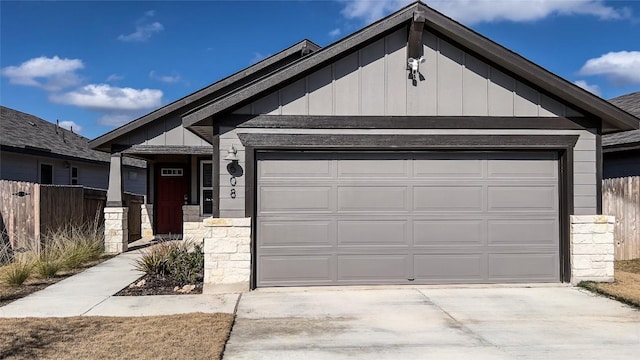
(433, 323)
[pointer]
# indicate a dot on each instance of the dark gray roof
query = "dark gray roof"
(231, 82)
(449, 28)
(625, 140)
(22, 132)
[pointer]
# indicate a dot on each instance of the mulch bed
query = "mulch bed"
(152, 284)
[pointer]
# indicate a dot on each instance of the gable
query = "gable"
(166, 131)
(373, 81)
(157, 128)
(497, 57)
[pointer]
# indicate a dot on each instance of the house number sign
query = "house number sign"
(233, 181)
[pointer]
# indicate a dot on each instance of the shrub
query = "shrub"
(69, 247)
(184, 266)
(49, 262)
(6, 251)
(182, 261)
(76, 245)
(17, 272)
(154, 259)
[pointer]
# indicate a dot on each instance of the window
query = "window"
(74, 175)
(206, 187)
(171, 172)
(46, 174)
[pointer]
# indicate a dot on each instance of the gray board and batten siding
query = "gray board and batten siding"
(165, 132)
(373, 81)
(400, 218)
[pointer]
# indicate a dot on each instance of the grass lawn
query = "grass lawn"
(626, 287)
(192, 336)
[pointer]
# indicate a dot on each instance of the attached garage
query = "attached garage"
(413, 151)
(400, 218)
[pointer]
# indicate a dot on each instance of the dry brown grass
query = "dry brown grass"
(626, 287)
(192, 336)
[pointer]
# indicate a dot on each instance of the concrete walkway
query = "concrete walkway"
(557, 322)
(90, 293)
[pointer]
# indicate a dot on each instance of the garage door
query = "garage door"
(410, 218)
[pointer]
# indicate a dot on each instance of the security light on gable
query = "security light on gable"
(232, 154)
(414, 65)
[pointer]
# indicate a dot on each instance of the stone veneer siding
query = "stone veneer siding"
(227, 254)
(116, 230)
(146, 220)
(592, 248)
(192, 223)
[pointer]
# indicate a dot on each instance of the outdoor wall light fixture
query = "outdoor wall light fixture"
(232, 154)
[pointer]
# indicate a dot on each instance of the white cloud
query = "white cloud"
(476, 11)
(114, 78)
(46, 73)
(592, 88)
(107, 98)
(144, 29)
(622, 67)
(165, 78)
(71, 125)
(335, 32)
(142, 33)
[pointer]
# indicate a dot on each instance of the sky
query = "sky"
(96, 65)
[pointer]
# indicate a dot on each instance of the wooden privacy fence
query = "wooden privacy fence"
(621, 198)
(30, 210)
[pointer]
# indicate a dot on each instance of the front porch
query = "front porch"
(179, 197)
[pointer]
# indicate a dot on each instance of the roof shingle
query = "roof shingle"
(25, 131)
(631, 104)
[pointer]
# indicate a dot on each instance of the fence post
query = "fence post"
(37, 219)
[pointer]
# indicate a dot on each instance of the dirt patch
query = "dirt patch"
(192, 336)
(152, 284)
(632, 266)
(9, 294)
(625, 288)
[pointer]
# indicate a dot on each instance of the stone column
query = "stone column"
(592, 248)
(146, 220)
(116, 230)
(227, 254)
(192, 223)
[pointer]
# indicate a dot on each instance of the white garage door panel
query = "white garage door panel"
(403, 218)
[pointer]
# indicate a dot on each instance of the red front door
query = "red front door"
(173, 185)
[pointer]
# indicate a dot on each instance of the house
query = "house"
(414, 151)
(35, 150)
(621, 151)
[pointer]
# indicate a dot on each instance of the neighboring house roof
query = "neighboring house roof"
(212, 91)
(494, 53)
(626, 140)
(25, 133)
